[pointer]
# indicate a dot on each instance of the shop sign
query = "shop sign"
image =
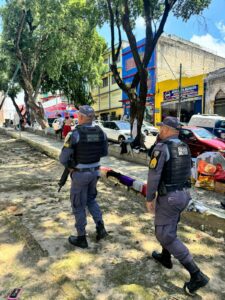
(187, 92)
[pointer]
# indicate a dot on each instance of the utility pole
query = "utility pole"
(180, 94)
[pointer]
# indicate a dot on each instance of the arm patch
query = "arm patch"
(154, 159)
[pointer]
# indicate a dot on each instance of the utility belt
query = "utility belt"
(86, 169)
(166, 188)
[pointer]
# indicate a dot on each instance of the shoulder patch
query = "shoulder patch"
(154, 159)
(182, 150)
(67, 140)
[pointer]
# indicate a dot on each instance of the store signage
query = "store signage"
(187, 92)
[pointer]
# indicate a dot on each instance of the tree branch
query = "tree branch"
(119, 34)
(149, 32)
(19, 32)
(111, 14)
(38, 84)
(131, 37)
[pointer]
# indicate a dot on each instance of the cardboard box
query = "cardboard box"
(219, 187)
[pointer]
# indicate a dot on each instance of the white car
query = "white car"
(148, 128)
(116, 130)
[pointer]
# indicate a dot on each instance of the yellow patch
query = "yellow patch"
(153, 163)
(67, 140)
(154, 159)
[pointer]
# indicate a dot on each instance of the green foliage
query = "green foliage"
(186, 8)
(182, 8)
(8, 67)
(56, 37)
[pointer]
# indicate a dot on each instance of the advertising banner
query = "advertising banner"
(186, 92)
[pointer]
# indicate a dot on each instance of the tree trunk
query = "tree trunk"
(37, 110)
(16, 107)
(141, 103)
(29, 120)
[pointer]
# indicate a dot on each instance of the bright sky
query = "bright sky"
(207, 30)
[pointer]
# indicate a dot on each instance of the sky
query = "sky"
(207, 30)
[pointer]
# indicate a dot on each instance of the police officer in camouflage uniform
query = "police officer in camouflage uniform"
(81, 153)
(168, 182)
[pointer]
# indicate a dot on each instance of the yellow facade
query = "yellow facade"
(168, 85)
(108, 96)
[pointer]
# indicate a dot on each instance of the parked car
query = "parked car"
(148, 128)
(201, 140)
(213, 123)
(116, 130)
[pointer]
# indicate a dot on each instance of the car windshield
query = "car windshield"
(123, 125)
(204, 134)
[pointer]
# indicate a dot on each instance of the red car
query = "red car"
(201, 140)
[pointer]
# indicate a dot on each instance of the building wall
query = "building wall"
(215, 83)
(168, 85)
(171, 51)
(108, 99)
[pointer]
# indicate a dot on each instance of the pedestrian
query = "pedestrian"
(73, 122)
(81, 153)
(169, 175)
(66, 126)
(58, 126)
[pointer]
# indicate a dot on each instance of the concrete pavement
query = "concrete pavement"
(204, 201)
(53, 147)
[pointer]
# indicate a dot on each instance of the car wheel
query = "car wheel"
(121, 138)
(146, 132)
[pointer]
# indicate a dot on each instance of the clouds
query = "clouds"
(209, 42)
(140, 23)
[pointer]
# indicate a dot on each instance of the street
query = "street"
(36, 221)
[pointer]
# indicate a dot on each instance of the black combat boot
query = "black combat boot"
(198, 279)
(78, 241)
(101, 232)
(164, 258)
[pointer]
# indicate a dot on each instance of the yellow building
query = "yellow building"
(108, 96)
(171, 51)
(167, 97)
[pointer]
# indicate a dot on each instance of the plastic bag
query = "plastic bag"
(206, 168)
(206, 182)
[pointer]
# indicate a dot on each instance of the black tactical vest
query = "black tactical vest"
(177, 169)
(91, 145)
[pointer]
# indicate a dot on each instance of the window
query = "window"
(124, 125)
(221, 124)
(185, 134)
(204, 134)
(106, 61)
(113, 80)
(106, 124)
(105, 81)
(113, 126)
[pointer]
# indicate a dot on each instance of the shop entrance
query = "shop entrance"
(188, 109)
(219, 104)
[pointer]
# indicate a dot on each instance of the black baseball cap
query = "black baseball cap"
(171, 122)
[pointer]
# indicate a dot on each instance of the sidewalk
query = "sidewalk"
(206, 202)
(52, 148)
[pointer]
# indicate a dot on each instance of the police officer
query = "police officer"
(169, 175)
(81, 153)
